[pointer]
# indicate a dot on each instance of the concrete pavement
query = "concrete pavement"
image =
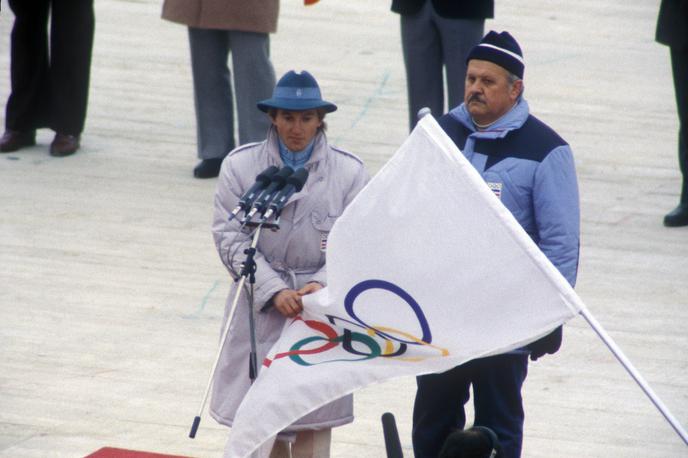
(111, 291)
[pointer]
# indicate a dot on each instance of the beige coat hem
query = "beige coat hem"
(259, 16)
(333, 423)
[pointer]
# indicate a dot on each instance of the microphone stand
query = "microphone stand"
(248, 272)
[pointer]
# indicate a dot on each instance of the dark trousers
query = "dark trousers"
(440, 400)
(433, 44)
(679, 66)
(50, 82)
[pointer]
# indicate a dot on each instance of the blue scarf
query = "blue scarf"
(295, 159)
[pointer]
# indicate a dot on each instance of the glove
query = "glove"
(546, 345)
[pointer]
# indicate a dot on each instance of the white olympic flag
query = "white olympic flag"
(426, 270)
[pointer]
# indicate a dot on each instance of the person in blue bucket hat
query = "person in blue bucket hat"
(290, 261)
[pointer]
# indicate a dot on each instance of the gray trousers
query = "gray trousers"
(430, 44)
(214, 94)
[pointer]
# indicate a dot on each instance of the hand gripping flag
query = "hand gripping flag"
(426, 270)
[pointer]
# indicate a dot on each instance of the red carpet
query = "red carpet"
(110, 452)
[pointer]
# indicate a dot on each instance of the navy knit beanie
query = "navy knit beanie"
(501, 49)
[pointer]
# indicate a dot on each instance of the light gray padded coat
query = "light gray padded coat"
(287, 258)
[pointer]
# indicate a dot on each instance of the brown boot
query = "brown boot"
(13, 140)
(64, 145)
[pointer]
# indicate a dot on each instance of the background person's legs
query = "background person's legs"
(71, 42)
(422, 50)
(254, 80)
(29, 101)
(458, 38)
(213, 98)
(679, 66)
(212, 92)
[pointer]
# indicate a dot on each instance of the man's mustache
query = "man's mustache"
(475, 98)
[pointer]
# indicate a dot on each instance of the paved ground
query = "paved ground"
(111, 292)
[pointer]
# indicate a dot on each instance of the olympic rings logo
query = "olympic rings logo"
(367, 341)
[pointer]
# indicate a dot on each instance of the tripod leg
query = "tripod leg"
(252, 358)
(223, 339)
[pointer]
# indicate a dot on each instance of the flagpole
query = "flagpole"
(633, 372)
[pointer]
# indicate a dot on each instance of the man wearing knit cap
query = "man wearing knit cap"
(531, 170)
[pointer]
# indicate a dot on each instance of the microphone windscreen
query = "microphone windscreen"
(298, 179)
(266, 175)
(282, 175)
(389, 430)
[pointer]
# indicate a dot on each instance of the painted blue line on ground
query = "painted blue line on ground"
(203, 303)
(367, 104)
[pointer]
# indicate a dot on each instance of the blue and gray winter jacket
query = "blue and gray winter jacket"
(531, 169)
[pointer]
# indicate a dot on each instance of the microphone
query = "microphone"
(277, 182)
(262, 181)
(389, 430)
(293, 185)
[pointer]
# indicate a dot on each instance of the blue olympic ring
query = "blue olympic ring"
(391, 287)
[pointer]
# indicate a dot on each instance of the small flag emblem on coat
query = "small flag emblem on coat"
(496, 188)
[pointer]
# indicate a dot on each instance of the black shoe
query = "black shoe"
(13, 140)
(677, 217)
(208, 168)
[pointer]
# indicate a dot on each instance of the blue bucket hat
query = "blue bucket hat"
(296, 92)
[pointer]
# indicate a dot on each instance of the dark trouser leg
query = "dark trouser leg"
(459, 36)
(422, 49)
(71, 43)
(438, 409)
(498, 404)
(29, 102)
(679, 65)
